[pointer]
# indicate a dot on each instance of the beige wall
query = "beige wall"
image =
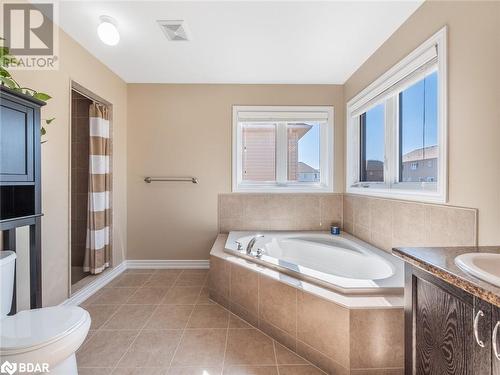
(186, 130)
(77, 64)
(473, 98)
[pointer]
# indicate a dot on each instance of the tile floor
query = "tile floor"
(161, 322)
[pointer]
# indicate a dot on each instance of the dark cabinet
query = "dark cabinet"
(495, 337)
(448, 331)
(17, 133)
(20, 179)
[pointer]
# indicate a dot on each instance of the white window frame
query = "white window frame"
(385, 89)
(280, 114)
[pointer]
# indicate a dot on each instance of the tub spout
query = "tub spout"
(252, 242)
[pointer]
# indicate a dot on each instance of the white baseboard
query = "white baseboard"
(88, 290)
(95, 285)
(160, 264)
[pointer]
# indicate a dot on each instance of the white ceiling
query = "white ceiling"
(238, 41)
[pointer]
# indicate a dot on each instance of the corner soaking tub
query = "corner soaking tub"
(341, 263)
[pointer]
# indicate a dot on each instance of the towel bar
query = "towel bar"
(148, 180)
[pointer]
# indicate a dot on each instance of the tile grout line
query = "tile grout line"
(378, 368)
(140, 330)
(258, 299)
(296, 317)
(308, 363)
(101, 327)
(225, 344)
(185, 326)
(275, 357)
(323, 354)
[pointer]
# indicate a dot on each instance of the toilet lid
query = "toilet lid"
(36, 327)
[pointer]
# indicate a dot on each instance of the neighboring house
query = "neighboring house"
(259, 145)
(420, 165)
(259, 153)
(374, 170)
(306, 173)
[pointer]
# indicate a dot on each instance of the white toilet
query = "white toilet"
(45, 337)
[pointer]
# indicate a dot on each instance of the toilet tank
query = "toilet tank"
(7, 266)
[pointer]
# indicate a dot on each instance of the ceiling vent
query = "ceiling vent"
(174, 30)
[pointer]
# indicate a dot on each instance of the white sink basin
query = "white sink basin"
(484, 266)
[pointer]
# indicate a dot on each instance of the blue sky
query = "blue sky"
(413, 117)
(308, 147)
(413, 120)
(375, 133)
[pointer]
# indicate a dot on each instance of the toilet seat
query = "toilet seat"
(33, 329)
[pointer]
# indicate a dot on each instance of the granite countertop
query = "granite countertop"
(440, 262)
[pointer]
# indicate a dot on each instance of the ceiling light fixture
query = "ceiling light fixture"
(107, 31)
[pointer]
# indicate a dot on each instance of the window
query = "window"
(282, 149)
(418, 130)
(372, 145)
(396, 129)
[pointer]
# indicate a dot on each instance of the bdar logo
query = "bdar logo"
(8, 368)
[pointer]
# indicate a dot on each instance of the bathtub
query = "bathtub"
(340, 263)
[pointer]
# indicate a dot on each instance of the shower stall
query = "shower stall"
(90, 151)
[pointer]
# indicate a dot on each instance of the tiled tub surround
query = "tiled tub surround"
(384, 223)
(249, 211)
(340, 334)
(388, 223)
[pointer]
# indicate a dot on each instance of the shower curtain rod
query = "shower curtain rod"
(75, 86)
(88, 97)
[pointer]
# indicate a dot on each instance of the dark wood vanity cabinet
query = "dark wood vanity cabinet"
(448, 331)
(495, 326)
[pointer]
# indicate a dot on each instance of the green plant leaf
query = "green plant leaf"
(8, 82)
(48, 121)
(4, 51)
(4, 72)
(42, 96)
(43, 131)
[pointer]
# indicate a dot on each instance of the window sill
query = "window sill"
(398, 193)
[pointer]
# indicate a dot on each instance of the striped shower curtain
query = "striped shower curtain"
(98, 244)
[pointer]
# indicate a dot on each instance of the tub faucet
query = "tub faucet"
(252, 242)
